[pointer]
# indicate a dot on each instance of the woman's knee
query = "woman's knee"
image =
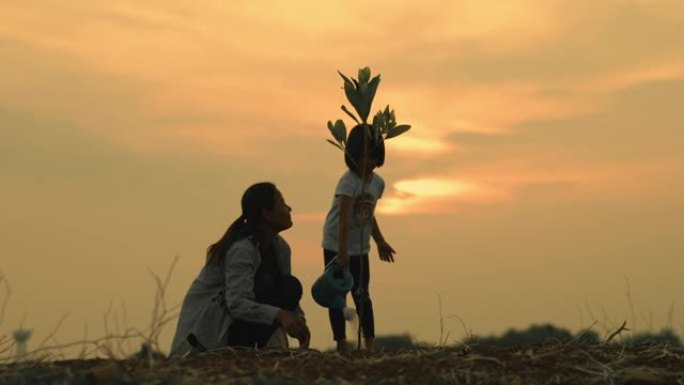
(290, 290)
(291, 284)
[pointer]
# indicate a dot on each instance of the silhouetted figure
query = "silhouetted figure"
(349, 225)
(245, 292)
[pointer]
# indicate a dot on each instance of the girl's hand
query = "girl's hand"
(386, 251)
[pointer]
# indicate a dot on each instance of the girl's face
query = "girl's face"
(279, 216)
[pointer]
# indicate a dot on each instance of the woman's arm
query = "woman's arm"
(239, 271)
(285, 261)
(293, 323)
(385, 251)
(346, 204)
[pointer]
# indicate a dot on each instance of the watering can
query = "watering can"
(331, 288)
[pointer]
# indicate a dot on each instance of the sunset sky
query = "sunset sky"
(542, 179)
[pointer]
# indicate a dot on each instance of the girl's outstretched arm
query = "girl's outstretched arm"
(385, 251)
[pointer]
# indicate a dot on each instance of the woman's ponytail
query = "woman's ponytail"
(236, 230)
(257, 197)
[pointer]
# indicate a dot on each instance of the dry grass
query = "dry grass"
(6, 343)
(541, 364)
(119, 340)
(550, 363)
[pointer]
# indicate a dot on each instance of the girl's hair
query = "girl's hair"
(257, 197)
(354, 149)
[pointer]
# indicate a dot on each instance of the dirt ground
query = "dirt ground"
(529, 365)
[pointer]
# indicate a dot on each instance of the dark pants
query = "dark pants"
(283, 291)
(364, 306)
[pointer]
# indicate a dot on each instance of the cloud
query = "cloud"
(618, 80)
(413, 147)
(222, 78)
(433, 195)
(534, 179)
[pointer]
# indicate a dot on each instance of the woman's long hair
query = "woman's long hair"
(257, 197)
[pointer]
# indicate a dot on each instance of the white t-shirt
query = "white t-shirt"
(364, 207)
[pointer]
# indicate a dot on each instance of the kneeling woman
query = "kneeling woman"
(245, 291)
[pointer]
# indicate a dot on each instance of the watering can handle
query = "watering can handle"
(338, 273)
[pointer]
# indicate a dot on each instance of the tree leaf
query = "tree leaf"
(351, 91)
(364, 104)
(364, 75)
(363, 89)
(341, 131)
(363, 108)
(344, 108)
(352, 95)
(367, 93)
(375, 133)
(334, 144)
(378, 123)
(372, 88)
(398, 130)
(346, 79)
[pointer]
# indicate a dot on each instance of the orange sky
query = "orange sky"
(543, 168)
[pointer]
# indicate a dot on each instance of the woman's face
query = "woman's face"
(279, 216)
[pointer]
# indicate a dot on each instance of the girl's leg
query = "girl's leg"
(369, 343)
(360, 269)
(336, 317)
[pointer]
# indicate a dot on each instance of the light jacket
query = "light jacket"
(225, 292)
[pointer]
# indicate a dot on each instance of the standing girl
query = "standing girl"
(349, 225)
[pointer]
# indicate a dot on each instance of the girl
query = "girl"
(349, 225)
(245, 291)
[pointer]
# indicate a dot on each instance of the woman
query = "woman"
(245, 291)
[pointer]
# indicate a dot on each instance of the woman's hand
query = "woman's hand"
(305, 339)
(385, 251)
(294, 325)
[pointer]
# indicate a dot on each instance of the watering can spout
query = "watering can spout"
(331, 288)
